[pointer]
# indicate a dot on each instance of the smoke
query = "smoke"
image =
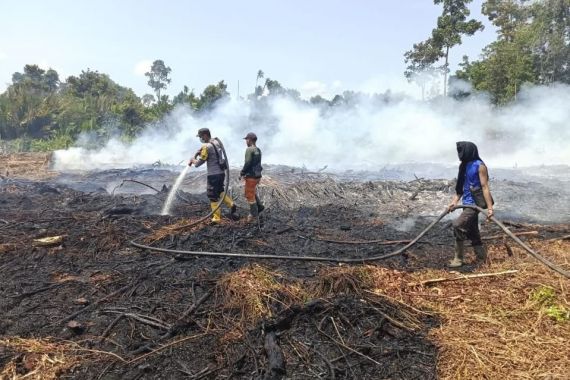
(365, 132)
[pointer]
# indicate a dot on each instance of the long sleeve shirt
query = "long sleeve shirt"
(252, 165)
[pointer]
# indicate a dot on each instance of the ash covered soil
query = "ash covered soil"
(91, 306)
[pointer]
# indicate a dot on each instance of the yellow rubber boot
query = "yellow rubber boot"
(217, 215)
(229, 202)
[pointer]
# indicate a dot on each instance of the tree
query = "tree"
(258, 90)
(506, 15)
(451, 25)
(147, 100)
(186, 97)
(421, 69)
(533, 46)
(211, 95)
(158, 77)
(550, 35)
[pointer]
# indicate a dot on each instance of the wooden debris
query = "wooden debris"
(463, 277)
(49, 241)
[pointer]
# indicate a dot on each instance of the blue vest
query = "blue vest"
(471, 179)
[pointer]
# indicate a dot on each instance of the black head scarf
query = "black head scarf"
(467, 152)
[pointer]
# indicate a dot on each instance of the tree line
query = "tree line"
(532, 47)
(40, 111)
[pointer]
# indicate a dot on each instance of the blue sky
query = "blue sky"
(317, 46)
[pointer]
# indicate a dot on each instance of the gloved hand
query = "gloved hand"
(191, 162)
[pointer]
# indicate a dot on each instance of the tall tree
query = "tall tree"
(550, 32)
(158, 77)
(451, 26)
(533, 46)
(421, 69)
(260, 75)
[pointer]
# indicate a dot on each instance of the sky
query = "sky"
(318, 47)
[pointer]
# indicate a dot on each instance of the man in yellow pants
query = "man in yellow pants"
(252, 173)
(211, 153)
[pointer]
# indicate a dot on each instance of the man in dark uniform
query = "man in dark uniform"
(473, 176)
(252, 173)
(211, 153)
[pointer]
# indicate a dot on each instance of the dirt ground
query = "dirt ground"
(78, 301)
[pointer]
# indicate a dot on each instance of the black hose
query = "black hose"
(297, 258)
(533, 253)
(537, 256)
(399, 251)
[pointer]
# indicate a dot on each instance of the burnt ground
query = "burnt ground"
(91, 306)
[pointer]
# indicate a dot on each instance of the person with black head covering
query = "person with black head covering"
(472, 180)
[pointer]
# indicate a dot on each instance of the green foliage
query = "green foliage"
(211, 95)
(58, 142)
(543, 295)
(187, 97)
(533, 46)
(558, 313)
(38, 106)
(451, 26)
(546, 298)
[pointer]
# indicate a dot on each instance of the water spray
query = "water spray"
(173, 191)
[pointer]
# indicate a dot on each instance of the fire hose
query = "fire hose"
(397, 252)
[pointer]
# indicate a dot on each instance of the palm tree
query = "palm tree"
(260, 75)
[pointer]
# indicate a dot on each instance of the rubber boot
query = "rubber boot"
(260, 206)
(480, 253)
(459, 255)
(253, 212)
(217, 215)
(228, 202)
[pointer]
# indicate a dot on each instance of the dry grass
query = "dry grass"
(345, 279)
(182, 226)
(497, 327)
(252, 293)
(509, 327)
(40, 359)
(26, 165)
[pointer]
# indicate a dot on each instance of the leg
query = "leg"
(250, 189)
(475, 237)
(214, 190)
(260, 205)
(461, 227)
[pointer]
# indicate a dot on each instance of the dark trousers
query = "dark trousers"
(466, 226)
(215, 186)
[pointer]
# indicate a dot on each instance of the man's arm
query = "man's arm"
(200, 157)
(484, 178)
(248, 161)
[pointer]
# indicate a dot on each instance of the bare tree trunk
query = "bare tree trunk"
(445, 71)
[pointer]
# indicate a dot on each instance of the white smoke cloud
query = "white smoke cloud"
(369, 135)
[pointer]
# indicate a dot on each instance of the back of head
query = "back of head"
(467, 151)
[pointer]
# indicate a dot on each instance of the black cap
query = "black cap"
(251, 136)
(203, 131)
